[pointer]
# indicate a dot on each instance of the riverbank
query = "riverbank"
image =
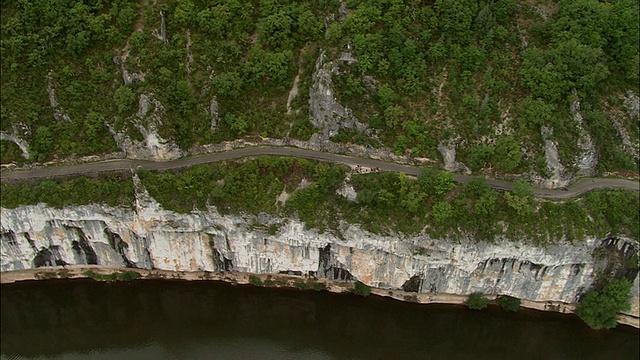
(277, 280)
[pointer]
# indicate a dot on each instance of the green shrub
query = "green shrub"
(254, 280)
(477, 301)
(599, 309)
(361, 289)
(509, 303)
(129, 275)
(122, 276)
(319, 286)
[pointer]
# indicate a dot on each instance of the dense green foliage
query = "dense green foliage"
(243, 53)
(476, 301)
(386, 203)
(253, 187)
(599, 308)
(361, 289)
(116, 276)
(425, 72)
(255, 281)
(111, 189)
(509, 303)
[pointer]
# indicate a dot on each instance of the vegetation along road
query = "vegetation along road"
(581, 186)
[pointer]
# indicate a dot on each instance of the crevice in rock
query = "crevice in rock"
(117, 244)
(9, 237)
(31, 242)
(49, 257)
(413, 284)
(328, 268)
(84, 246)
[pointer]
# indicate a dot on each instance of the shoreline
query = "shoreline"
(278, 280)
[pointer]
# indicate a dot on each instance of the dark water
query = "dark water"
(82, 319)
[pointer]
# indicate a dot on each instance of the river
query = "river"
(164, 319)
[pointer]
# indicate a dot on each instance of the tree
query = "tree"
(599, 309)
(486, 205)
(536, 112)
(520, 198)
(509, 303)
(508, 154)
(361, 289)
(124, 99)
(236, 123)
(441, 211)
(479, 156)
(476, 301)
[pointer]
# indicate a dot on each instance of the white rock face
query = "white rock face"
(448, 151)
(153, 147)
(588, 158)
(151, 237)
(326, 112)
(554, 167)
(58, 113)
(21, 143)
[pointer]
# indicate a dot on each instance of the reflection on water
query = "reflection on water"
(82, 319)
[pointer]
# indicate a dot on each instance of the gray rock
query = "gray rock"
(326, 112)
(587, 160)
(151, 237)
(213, 111)
(22, 144)
(554, 167)
(448, 151)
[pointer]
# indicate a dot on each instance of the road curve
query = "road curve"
(580, 187)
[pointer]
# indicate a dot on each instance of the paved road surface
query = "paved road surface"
(581, 186)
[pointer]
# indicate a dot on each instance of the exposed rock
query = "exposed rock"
(127, 77)
(162, 35)
(632, 104)
(24, 147)
(213, 111)
(282, 198)
(293, 93)
(588, 159)
(58, 113)
(627, 145)
(448, 151)
(347, 190)
(153, 147)
(554, 167)
(342, 12)
(370, 83)
(326, 112)
(151, 237)
(189, 58)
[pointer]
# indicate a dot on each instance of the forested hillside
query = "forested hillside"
(514, 87)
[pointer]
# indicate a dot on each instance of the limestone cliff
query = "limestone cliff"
(153, 238)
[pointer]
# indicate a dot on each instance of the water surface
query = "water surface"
(163, 319)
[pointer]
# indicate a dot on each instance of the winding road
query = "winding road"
(583, 185)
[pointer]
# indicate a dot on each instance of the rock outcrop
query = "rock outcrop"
(326, 112)
(153, 146)
(24, 147)
(153, 238)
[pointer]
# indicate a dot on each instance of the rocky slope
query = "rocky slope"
(152, 238)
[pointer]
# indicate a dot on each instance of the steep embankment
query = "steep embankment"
(150, 237)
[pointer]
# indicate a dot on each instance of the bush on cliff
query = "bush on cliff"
(361, 289)
(509, 303)
(599, 309)
(477, 302)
